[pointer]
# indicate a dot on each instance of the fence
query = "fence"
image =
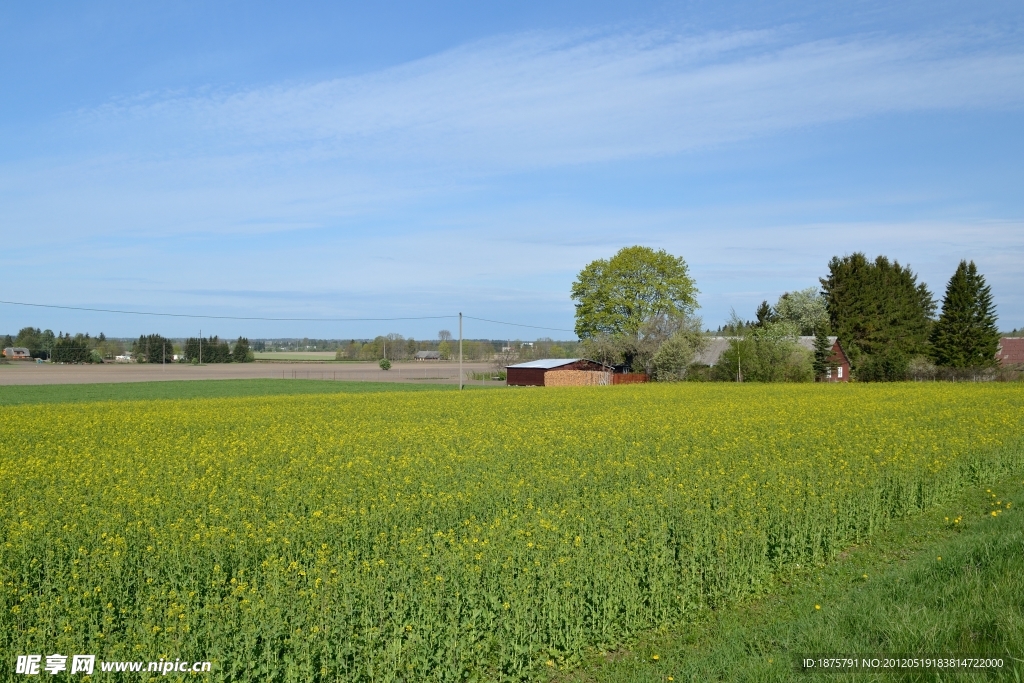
(941, 374)
(630, 378)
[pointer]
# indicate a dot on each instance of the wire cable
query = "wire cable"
(534, 327)
(268, 319)
(228, 317)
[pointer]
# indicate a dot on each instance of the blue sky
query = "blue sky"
(332, 161)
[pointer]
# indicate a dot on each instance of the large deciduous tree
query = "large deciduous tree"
(806, 308)
(617, 296)
(877, 309)
(966, 335)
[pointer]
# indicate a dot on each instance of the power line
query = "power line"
(228, 317)
(534, 327)
(263, 318)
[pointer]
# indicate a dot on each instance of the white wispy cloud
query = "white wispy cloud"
(298, 155)
(542, 100)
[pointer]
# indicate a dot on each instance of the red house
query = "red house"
(838, 364)
(17, 353)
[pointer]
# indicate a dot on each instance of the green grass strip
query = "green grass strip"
(144, 391)
(949, 582)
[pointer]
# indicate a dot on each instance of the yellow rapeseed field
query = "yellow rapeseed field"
(440, 536)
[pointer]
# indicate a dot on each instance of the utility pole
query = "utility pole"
(460, 351)
(200, 347)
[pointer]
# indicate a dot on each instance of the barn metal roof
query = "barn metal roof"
(546, 363)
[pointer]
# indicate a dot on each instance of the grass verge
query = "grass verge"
(143, 391)
(949, 582)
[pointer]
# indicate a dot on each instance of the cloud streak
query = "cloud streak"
(540, 100)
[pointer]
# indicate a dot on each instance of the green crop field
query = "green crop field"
(145, 391)
(448, 536)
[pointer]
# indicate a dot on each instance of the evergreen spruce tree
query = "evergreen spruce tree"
(241, 352)
(765, 314)
(878, 309)
(191, 350)
(822, 351)
(966, 335)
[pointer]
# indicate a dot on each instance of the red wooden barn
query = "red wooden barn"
(533, 373)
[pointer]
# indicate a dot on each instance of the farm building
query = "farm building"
(427, 355)
(712, 353)
(549, 372)
(839, 364)
(1010, 352)
(17, 353)
(568, 372)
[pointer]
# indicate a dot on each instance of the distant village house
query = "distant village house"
(17, 353)
(838, 363)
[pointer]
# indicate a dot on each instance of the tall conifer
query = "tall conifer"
(877, 308)
(822, 352)
(765, 314)
(966, 335)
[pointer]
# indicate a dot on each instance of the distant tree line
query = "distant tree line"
(148, 348)
(61, 347)
(155, 348)
(395, 347)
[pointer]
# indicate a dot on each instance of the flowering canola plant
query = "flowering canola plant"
(435, 536)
